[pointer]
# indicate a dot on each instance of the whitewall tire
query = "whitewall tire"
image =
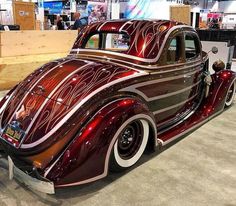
(230, 95)
(130, 144)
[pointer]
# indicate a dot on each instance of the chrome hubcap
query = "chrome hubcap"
(127, 137)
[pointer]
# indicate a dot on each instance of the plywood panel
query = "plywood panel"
(181, 13)
(21, 52)
(17, 43)
(15, 69)
(24, 15)
(10, 75)
(31, 58)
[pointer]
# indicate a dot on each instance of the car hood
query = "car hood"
(46, 100)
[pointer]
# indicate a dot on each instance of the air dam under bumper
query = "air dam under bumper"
(32, 183)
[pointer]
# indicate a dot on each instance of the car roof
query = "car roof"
(146, 36)
(125, 24)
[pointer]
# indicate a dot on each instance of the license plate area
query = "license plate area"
(13, 135)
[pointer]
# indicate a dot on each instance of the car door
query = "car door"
(177, 93)
(193, 59)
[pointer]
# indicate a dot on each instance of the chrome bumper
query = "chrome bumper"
(32, 183)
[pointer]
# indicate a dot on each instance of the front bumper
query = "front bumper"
(31, 182)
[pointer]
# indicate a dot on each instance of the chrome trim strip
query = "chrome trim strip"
(192, 128)
(51, 94)
(174, 106)
(138, 58)
(134, 87)
(66, 117)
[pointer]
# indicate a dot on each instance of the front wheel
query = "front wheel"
(130, 144)
(230, 95)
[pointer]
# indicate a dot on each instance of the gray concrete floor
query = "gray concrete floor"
(200, 170)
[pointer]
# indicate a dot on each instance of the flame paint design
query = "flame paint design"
(73, 91)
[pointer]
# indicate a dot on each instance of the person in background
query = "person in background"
(60, 23)
(214, 24)
(78, 24)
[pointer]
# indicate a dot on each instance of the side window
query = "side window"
(174, 51)
(117, 42)
(93, 42)
(191, 46)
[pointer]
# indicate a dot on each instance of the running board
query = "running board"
(185, 127)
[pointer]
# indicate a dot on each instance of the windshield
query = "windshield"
(118, 42)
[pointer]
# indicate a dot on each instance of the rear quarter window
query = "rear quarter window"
(117, 42)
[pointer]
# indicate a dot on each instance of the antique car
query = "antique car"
(126, 86)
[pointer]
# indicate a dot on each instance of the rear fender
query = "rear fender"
(86, 159)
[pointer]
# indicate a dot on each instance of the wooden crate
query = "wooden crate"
(15, 69)
(21, 52)
(12, 74)
(181, 13)
(24, 14)
(17, 43)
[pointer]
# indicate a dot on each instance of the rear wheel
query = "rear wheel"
(130, 145)
(230, 95)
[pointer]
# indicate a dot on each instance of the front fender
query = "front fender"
(219, 88)
(86, 158)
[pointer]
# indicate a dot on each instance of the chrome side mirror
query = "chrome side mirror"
(214, 50)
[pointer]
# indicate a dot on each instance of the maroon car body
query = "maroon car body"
(75, 118)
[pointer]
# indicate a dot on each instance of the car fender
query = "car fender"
(86, 159)
(221, 82)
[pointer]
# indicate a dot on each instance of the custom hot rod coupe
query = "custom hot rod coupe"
(126, 85)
